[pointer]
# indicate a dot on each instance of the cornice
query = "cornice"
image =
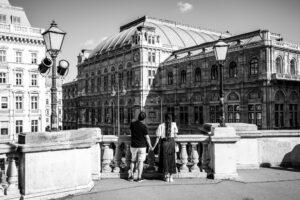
(24, 40)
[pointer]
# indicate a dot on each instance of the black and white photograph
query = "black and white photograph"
(149, 99)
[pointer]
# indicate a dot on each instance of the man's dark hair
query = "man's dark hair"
(142, 116)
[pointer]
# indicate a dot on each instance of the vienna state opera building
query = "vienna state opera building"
(161, 66)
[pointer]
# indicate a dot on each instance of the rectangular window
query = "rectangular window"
(33, 58)
(19, 126)
(184, 116)
(34, 102)
(18, 78)
(92, 85)
(153, 57)
(198, 115)
(34, 125)
(19, 102)
(47, 101)
(254, 114)
(105, 84)
(93, 116)
(129, 115)
(2, 18)
(149, 56)
(98, 84)
(34, 79)
(4, 102)
(214, 114)
(4, 128)
(150, 81)
(86, 85)
(15, 20)
(106, 115)
(87, 115)
(121, 115)
(2, 56)
(233, 113)
(279, 115)
(293, 111)
(99, 115)
(18, 57)
(2, 77)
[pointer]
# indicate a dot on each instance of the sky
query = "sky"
(88, 22)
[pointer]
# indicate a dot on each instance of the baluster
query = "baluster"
(151, 161)
(183, 158)
(195, 158)
(106, 159)
(117, 158)
(12, 177)
(127, 156)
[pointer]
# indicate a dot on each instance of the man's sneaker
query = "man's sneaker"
(140, 180)
(130, 179)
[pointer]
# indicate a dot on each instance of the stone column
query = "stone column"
(195, 158)
(106, 159)
(96, 161)
(183, 158)
(117, 158)
(224, 158)
(12, 177)
(127, 156)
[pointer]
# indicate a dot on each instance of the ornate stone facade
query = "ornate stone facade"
(163, 73)
(23, 91)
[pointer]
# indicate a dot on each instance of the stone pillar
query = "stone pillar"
(195, 158)
(106, 159)
(183, 158)
(127, 156)
(12, 177)
(224, 158)
(96, 161)
(117, 158)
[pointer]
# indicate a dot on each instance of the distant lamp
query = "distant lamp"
(45, 65)
(62, 67)
(220, 50)
(53, 38)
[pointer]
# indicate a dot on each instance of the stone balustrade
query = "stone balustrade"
(69, 161)
(191, 159)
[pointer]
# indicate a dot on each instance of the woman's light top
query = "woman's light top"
(161, 130)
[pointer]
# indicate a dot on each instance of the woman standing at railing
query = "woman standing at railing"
(167, 131)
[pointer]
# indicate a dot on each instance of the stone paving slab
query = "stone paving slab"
(258, 184)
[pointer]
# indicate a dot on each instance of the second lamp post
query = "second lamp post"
(118, 93)
(220, 51)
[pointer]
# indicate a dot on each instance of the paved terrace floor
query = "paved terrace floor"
(264, 183)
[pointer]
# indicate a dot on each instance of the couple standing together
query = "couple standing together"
(166, 132)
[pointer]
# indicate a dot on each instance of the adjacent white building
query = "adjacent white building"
(24, 94)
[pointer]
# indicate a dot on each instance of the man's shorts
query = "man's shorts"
(138, 154)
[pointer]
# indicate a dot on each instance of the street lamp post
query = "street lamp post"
(220, 51)
(53, 38)
(118, 93)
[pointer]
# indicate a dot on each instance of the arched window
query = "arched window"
(279, 65)
(183, 76)
(232, 70)
(214, 72)
(254, 66)
(292, 67)
(170, 78)
(198, 75)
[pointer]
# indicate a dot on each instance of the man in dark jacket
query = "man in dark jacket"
(139, 141)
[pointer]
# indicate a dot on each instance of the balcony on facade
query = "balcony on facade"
(17, 29)
(285, 77)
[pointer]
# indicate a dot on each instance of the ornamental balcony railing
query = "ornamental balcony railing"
(288, 77)
(12, 28)
(192, 158)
